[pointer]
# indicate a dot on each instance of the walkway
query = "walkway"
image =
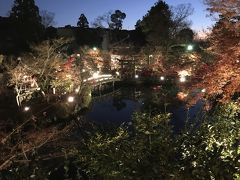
(99, 80)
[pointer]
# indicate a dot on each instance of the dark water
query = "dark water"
(112, 107)
(118, 107)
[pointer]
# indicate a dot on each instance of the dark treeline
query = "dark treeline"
(161, 26)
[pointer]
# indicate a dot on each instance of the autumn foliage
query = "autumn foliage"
(221, 77)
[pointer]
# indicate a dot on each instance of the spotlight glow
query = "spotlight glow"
(162, 78)
(26, 108)
(136, 76)
(203, 90)
(95, 75)
(184, 73)
(70, 99)
(77, 90)
(182, 79)
(190, 47)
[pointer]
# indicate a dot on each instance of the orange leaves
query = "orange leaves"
(222, 79)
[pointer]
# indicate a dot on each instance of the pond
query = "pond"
(118, 106)
(112, 107)
(108, 109)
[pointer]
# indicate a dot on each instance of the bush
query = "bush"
(147, 148)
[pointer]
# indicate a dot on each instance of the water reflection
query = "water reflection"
(113, 109)
(119, 106)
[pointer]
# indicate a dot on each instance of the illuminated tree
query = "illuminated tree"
(221, 78)
(46, 70)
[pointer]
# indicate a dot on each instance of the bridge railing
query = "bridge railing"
(100, 78)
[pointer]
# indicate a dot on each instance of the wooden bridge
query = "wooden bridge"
(99, 80)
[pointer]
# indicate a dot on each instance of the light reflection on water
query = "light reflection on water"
(118, 107)
(109, 111)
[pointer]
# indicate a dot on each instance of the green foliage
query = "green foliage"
(141, 152)
(212, 150)
(32, 171)
(86, 96)
(149, 149)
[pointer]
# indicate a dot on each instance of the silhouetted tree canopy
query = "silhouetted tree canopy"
(156, 24)
(180, 13)
(103, 21)
(117, 19)
(185, 35)
(138, 24)
(82, 22)
(26, 16)
(50, 32)
(162, 23)
(47, 18)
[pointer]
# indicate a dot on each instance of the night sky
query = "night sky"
(68, 11)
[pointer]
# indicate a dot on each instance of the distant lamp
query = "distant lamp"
(95, 75)
(190, 47)
(162, 78)
(182, 79)
(94, 48)
(77, 90)
(78, 55)
(26, 108)
(83, 70)
(203, 90)
(117, 73)
(70, 99)
(136, 76)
